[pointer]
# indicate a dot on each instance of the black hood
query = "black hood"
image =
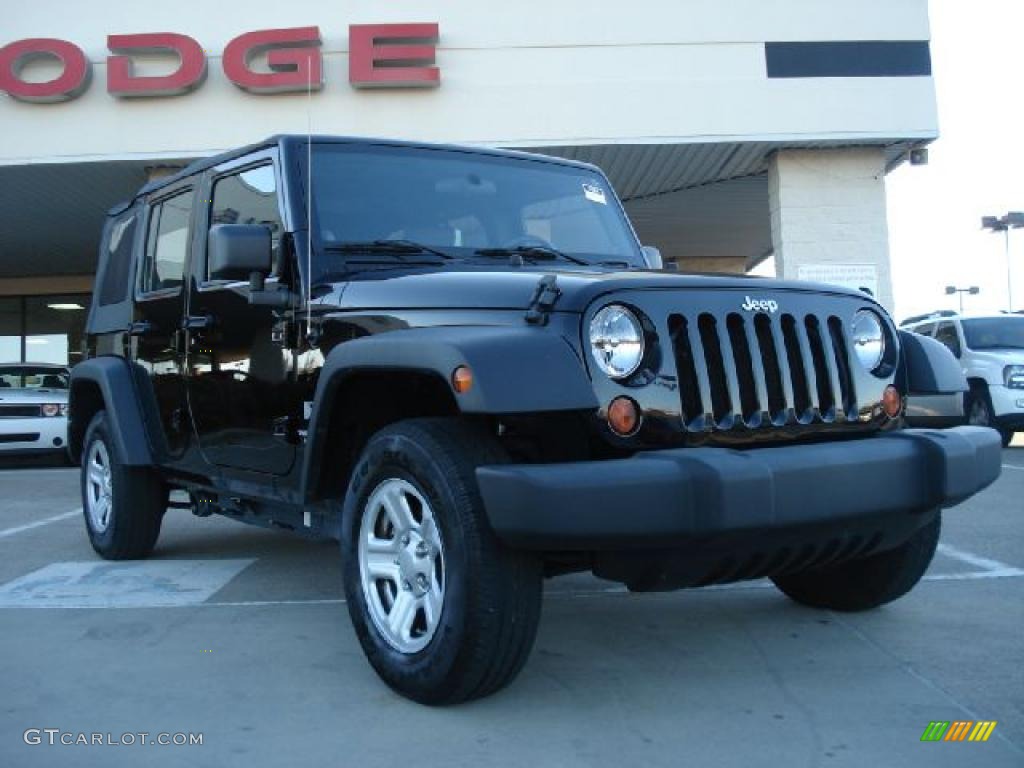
(485, 287)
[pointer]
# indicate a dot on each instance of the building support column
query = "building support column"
(828, 217)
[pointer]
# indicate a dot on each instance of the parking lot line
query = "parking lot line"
(38, 523)
(990, 568)
(1013, 466)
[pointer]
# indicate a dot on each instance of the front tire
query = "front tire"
(866, 582)
(123, 506)
(443, 610)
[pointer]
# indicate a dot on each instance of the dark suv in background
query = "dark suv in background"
(463, 365)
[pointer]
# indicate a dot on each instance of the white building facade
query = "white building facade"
(734, 131)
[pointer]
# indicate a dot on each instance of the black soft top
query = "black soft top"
(285, 141)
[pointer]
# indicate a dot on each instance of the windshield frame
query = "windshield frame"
(320, 266)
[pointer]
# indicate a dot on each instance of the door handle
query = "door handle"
(140, 328)
(197, 322)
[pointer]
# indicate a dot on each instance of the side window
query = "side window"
(946, 333)
(118, 258)
(166, 243)
(249, 197)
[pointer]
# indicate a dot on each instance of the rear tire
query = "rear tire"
(867, 582)
(416, 542)
(123, 506)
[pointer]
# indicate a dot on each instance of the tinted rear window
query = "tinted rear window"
(118, 255)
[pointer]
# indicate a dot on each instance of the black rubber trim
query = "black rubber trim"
(660, 497)
(849, 58)
(124, 412)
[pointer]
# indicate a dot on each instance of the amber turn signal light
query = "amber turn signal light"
(462, 379)
(623, 416)
(892, 403)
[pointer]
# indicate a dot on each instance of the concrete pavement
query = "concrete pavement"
(241, 634)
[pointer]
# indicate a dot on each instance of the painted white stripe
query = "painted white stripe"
(38, 523)
(101, 584)
(1013, 466)
(976, 560)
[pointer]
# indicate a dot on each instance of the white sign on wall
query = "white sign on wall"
(855, 276)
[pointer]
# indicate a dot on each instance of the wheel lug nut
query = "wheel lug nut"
(421, 581)
(406, 586)
(422, 550)
(405, 539)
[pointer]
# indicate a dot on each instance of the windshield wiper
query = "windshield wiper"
(532, 251)
(396, 247)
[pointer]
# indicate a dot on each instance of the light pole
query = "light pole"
(973, 290)
(1012, 220)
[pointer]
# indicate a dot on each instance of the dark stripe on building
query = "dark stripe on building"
(853, 58)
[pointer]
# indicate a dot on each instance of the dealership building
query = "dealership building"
(738, 133)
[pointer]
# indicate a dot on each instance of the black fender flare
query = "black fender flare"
(113, 377)
(519, 370)
(929, 367)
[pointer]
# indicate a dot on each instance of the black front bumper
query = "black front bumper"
(660, 497)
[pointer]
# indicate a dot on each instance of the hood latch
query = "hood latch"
(544, 298)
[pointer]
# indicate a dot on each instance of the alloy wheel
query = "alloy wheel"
(401, 565)
(99, 496)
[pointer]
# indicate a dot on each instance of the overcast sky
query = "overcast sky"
(975, 168)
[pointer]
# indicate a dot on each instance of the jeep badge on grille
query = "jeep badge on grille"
(760, 305)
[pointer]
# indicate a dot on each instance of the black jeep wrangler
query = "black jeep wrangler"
(463, 365)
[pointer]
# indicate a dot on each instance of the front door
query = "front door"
(240, 373)
(156, 335)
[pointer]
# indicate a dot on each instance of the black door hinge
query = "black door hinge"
(544, 298)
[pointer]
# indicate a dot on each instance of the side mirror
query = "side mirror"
(235, 251)
(652, 256)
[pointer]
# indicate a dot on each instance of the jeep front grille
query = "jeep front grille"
(761, 370)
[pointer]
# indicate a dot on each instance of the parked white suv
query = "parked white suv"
(990, 349)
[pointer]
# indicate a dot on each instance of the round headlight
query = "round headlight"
(616, 341)
(868, 339)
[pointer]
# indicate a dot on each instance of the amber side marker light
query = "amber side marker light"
(892, 403)
(462, 379)
(623, 416)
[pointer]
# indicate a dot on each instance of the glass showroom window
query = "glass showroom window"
(53, 328)
(10, 330)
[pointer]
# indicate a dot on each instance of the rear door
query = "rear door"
(240, 373)
(159, 305)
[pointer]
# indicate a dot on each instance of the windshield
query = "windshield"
(994, 333)
(33, 377)
(461, 202)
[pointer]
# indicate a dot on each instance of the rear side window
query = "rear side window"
(166, 243)
(926, 329)
(118, 258)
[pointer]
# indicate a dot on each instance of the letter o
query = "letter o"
(72, 81)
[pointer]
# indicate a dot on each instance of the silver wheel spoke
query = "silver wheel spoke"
(382, 565)
(401, 615)
(398, 509)
(95, 474)
(432, 604)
